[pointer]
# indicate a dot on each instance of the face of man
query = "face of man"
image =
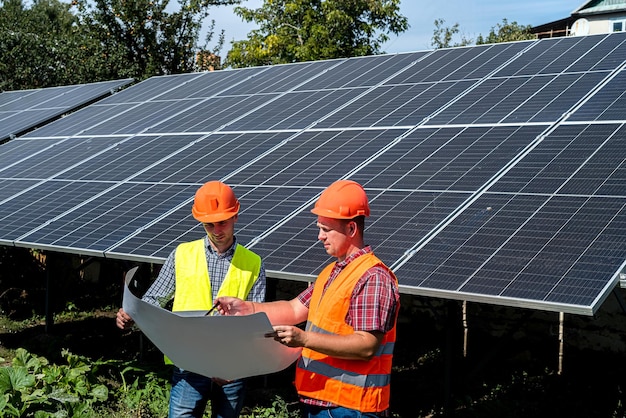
(221, 234)
(336, 235)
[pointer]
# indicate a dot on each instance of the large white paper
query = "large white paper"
(228, 347)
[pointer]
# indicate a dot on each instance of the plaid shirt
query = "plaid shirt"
(163, 288)
(375, 300)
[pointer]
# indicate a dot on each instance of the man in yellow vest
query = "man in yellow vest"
(350, 313)
(197, 273)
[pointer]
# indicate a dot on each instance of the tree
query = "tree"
(442, 36)
(140, 38)
(38, 46)
(507, 32)
(305, 30)
(53, 43)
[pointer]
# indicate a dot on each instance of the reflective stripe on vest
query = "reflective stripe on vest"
(193, 286)
(355, 384)
(356, 379)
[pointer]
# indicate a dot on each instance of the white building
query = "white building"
(592, 17)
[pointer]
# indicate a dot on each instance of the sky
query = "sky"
(473, 16)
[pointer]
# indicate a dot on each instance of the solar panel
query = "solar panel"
(49, 157)
(495, 172)
(401, 105)
(524, 248)
(539, 98)
(23, 110)
(448, 159)
(583, 160)
(214, 156)
(286, 166)
(39, 203)
(609, 104)
(105, 219)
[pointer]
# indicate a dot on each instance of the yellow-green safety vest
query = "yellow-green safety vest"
(193, 286)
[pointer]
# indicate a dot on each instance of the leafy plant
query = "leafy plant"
(279, 408)
(148, 392)
(33, 387)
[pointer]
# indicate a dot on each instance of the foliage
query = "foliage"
(140, 38)
(33, 387)
(47, 43)
(300, 30)
(502, 32)
(38, 46)
(442, 36)
(507, 32)
(148, 392)
(279, 408)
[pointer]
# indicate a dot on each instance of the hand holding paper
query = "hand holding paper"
(228, 347)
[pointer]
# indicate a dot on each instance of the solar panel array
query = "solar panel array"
(495, 172)
(22, 110)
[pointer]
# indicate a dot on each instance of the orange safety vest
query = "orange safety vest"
(356, 384)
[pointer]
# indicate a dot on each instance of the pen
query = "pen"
(215, 305)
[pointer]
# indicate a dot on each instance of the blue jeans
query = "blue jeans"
(337, 412)
(191, 392)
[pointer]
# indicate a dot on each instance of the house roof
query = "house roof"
(600, 6)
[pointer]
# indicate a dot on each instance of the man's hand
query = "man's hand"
(234, 306)
(289, 335)
(123, 320)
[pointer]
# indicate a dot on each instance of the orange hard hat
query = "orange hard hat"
(344, 199)
(214, 202)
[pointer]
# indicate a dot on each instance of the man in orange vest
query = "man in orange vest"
(350, 313)
(197, 273)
